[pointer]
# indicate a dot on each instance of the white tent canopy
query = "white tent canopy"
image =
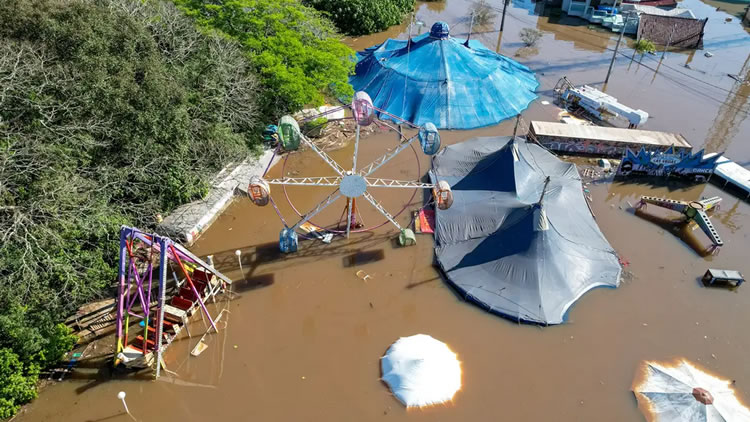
(683, 393)
(421, 371)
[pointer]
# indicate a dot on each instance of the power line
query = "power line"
(693, 90)
(608, 38)
(693, 77)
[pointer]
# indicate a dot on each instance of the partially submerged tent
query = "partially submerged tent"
(440, 79)
(682, 392)
(519, 240)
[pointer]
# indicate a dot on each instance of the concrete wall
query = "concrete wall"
(186, 223)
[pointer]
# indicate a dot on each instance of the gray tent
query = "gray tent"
(519, 240)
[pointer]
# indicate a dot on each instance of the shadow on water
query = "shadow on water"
(575, 65)
(252, 283)
(423, 282)
(363, 257)
(718, 285)
(678, 227)
(268, 253)
(106, 374)
(106, 418)
(631, 184)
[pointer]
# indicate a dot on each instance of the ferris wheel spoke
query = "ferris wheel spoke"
(356, 148)
(306, 181)
(320, 207)
(370, 168)
(390, 183)
(349, 217)
(330, 161)
(380, 208)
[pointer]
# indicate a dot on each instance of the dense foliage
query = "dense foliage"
(110, 111)
(360, 17)
(294, 50)
(18, 384)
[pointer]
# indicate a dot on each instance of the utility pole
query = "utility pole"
(471, 27)
(502, 22)
(668, 42)
(624, 25)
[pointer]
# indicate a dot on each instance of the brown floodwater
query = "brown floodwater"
(304, 334)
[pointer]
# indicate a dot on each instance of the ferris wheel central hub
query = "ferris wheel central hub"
(353, 185)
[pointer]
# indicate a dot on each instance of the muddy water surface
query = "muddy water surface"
(305, 333)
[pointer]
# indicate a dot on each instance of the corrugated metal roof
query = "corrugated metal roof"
(611, 134)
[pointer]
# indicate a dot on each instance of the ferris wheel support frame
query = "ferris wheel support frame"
(350, 184)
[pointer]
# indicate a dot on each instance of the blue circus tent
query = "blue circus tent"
(437, 78)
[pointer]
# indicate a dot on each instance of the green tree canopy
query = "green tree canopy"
(294, 50)
(644, 46)
(17, 383)
(360, 17)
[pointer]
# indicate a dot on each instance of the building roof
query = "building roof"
(609, 134)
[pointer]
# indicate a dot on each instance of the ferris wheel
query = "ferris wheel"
(353, 183)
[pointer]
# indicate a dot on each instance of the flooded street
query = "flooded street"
(305, 333)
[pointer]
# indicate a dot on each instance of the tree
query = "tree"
(294, 50)
(530, 36)
(484, 13)
(643, 46)
(17, 383)
(111, 111)
(361, 17)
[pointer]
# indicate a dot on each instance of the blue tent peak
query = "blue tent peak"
(440, 30)
(441, 79)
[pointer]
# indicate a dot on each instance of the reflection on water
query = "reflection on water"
(732, 112)
(577, 31)
(434, 6)
(732, 219)
(733, 7)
